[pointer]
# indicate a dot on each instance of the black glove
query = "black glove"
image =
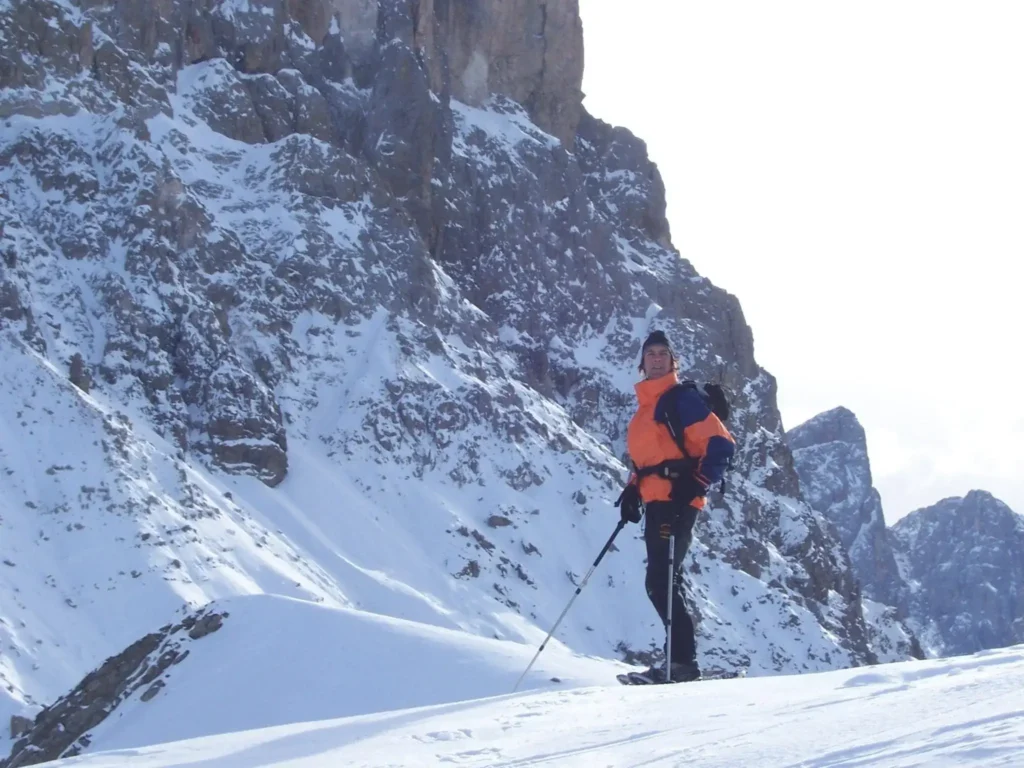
(686, 488)
(629, 504)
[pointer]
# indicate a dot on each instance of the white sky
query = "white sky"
(854, 173)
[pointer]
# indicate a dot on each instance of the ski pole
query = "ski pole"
(576, 594)
(668, 612)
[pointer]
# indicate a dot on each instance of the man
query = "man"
(671, 483)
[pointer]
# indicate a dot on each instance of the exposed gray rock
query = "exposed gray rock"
(530, 51)
(273, 104)
(11, 310)
(132, 84)
(62, 729)
(406, 129)
(78, 374)
(244, 425)
(252, 35)
(889, 634)
(61, 44)
(19, 725)
(205, 624)
(951, 572)
(620, 178)
(831, 456)
(312, 114)
(963, 561)
(315, 170)
(218, 96)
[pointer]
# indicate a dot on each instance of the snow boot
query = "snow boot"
(685, 673)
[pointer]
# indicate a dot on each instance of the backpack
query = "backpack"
(714, 396)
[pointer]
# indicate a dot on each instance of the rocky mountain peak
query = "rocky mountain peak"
(839, 425)
(978, 511)
(963, 561)
(951, 572)
(831, 457)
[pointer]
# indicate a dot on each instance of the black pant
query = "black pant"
(662, 517)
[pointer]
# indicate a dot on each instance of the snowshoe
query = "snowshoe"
(681, 673)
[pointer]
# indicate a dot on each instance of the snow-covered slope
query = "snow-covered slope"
(268, 661)
(281, 313)
(106, 531)
(951, 712)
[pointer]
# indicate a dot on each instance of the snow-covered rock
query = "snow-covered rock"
(64, 728)
(963, 563)
(948, 577)
(889, 632)
(831, 456)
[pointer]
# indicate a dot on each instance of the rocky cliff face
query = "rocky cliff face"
(357, 250)
(950, 573)
(831, 456)
(963, 562)
(264, 79)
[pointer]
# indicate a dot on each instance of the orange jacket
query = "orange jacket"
(650, 443)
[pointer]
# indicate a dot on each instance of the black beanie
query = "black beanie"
(656, 337)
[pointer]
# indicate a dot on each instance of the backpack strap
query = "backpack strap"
(670, 469)
(665, 413)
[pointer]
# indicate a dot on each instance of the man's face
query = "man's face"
(657, 361)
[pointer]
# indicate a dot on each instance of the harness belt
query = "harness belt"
(670, 469)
